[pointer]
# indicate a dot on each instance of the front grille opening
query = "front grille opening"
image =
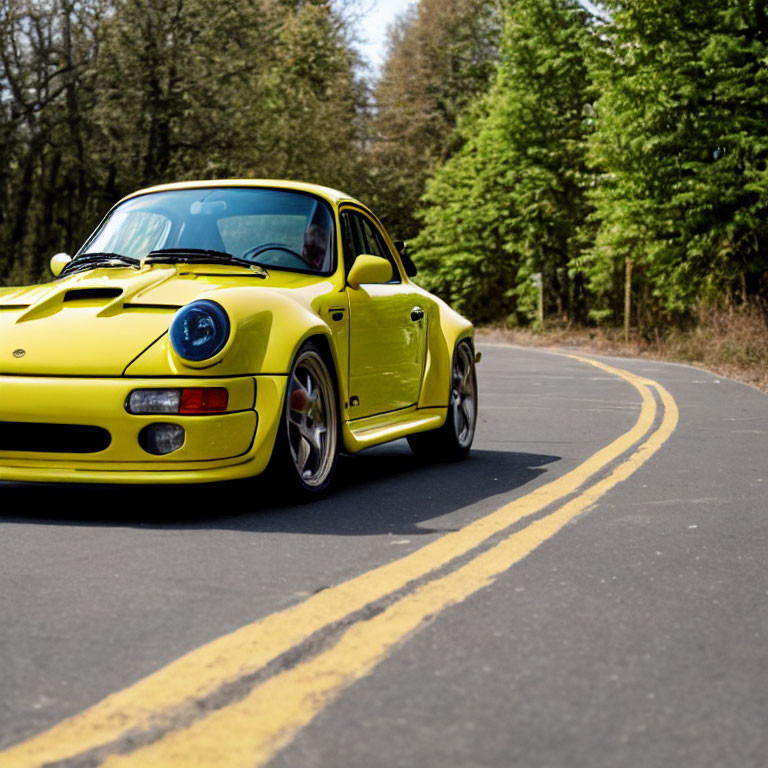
(92, 294)
(52, 438)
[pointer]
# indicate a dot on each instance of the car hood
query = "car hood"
(97, 323)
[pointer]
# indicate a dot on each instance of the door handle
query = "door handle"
(417, 313)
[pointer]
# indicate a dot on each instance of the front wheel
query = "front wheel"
(453, 440)
(306, 449)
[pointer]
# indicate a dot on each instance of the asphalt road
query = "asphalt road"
(627, 626)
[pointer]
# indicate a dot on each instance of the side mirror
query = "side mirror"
(410, 267)
(369, 269)
(58, 262)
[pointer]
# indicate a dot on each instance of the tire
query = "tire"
(452, 441)
(307, 446)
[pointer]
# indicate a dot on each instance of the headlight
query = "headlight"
(199, 331)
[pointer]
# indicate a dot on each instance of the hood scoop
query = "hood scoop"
(105, 300)
(86, 291)
(92, 295)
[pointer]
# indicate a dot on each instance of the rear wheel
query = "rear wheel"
(453, 440)
(306, 450)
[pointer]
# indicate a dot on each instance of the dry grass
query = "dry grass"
(730, 342)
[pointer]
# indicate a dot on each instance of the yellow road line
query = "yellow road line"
(250, 732)
(153, 701)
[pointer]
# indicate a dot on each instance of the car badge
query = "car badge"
(19, 352)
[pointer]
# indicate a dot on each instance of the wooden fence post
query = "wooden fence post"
(538, 280)
(627, 297)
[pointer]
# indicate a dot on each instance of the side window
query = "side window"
(360, 236)
(349, 239)
(376, 246)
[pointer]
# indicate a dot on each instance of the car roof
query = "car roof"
(332, 195)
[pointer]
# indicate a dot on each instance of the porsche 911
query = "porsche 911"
(216, 330)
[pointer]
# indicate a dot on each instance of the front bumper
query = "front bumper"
(223, 446)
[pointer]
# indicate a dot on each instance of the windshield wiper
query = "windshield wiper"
(200, 256)
(95, 260)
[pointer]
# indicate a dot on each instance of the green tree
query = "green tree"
(512, 202)
(99, 97)
(442, 55)
(682, 149)
(313, 104)
(47, 55)
(255, 88)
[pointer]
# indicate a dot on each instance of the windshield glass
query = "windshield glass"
(272, 227)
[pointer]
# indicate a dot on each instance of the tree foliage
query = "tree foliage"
(682, 148)
(100, 97)
(442, 55)
(512, 201)
(638, 139)
(516, 137)
(47, 56)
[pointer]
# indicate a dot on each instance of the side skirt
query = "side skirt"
(382, 428)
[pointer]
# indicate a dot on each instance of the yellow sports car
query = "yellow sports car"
(214, 330)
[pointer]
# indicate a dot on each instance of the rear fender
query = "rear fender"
(446, 329)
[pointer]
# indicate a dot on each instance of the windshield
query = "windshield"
(271, 227)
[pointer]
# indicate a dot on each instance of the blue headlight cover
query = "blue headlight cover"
(199, 331)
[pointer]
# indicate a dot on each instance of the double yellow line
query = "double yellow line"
(170, 718)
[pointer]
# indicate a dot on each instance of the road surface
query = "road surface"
(589, 588)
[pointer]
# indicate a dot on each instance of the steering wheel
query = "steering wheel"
(257, 249)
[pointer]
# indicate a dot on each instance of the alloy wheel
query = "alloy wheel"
(311, 419)
(464, 395)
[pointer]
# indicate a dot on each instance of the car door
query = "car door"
(387, 328)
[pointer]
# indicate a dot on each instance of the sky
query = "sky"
(376, 15)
